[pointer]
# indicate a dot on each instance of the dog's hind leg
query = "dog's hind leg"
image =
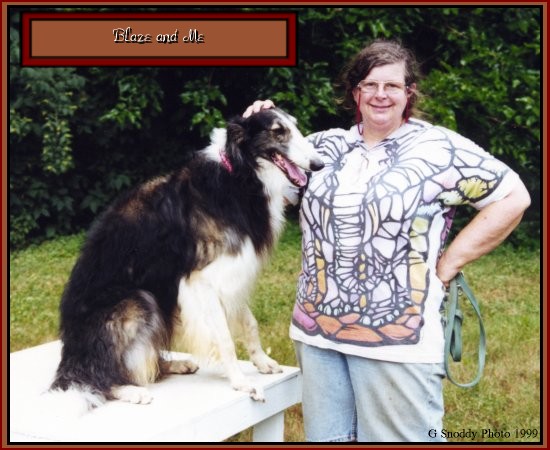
(178, 366)
(251, 338)
(170, 363)
(139, 332)
(206, 331)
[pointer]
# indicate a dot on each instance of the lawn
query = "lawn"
(505, 406)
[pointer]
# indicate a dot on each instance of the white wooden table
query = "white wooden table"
(201, 407)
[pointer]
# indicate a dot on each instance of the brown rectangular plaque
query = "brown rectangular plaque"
(158, 39)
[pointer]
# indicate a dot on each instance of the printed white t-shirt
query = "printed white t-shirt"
(374, 224)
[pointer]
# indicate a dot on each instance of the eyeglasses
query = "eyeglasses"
(390, 87)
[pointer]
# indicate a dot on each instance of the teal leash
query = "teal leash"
(453, 329)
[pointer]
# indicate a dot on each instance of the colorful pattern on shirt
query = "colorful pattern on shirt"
(374, 223)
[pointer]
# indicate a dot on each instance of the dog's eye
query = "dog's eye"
(279, 132)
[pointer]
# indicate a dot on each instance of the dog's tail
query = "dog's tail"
(50, 415)
(83, 379)
(72, 402)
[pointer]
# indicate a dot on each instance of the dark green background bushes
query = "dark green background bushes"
(79, 136)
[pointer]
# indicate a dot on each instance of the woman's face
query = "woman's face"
(383, 96)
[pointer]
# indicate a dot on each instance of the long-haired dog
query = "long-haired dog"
(181, 253)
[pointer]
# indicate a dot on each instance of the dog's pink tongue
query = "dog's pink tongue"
(295, 174)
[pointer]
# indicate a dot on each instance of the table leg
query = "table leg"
(270, 429)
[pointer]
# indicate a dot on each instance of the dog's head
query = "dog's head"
(272, 136)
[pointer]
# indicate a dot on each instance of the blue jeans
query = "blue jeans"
(350, 398)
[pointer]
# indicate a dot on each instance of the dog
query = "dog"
(177, 257)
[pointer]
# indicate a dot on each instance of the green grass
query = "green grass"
(506, 282)
(37, 277)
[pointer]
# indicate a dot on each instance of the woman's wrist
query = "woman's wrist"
(447, 268)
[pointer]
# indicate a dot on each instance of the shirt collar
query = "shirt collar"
(407, 127)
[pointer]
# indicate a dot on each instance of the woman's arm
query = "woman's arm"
(484, 233)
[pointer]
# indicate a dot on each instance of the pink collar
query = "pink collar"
(225, 161)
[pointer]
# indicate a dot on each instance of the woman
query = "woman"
(366, 323)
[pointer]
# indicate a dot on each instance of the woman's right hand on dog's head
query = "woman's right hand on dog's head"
(257, 106)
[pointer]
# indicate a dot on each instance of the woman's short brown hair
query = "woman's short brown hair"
(378, 53)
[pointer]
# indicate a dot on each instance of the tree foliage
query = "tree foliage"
(78, 136)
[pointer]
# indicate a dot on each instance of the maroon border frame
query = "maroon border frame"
(266, 3)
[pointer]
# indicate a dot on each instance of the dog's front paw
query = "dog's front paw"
(255, 392)
(265, 364)
(132, 394)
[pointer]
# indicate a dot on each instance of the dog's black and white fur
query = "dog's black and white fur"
(181, 253)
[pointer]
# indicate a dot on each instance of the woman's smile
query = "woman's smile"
(380, 108)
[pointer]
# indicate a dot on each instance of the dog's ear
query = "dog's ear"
(235, 137)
